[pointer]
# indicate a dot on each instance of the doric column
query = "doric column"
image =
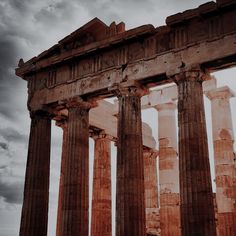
(151, 191)
(168, 170)
(223, 139)
(76, 176)
(130, 205)
(101, 200)
(34, 218)
(197, 209)
(63, 125)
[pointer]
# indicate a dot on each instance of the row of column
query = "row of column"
(192, 203)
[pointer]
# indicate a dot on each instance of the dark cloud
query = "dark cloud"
(11, 192)
(12, 135)
(4, 146)
(9, 83)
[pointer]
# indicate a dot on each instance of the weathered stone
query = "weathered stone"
(150, 54)
(94, 58)
(168, 170)
(34, 218)
(196, 197)
(130, 203)
(223, 140)
(151, 192)
(63, 125)
(101, 224)
(74, 220)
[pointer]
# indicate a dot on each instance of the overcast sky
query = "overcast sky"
(28, 27)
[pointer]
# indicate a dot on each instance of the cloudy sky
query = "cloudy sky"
(28, 27)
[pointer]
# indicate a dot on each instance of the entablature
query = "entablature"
(204, 36)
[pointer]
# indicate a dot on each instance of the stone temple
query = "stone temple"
(69, 82)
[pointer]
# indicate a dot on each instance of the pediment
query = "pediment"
(93, 31)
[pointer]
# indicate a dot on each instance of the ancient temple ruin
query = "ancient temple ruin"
(69, 83)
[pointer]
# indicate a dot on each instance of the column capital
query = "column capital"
(129, 89)
(220, 93)
(190, 73)
(101, 135)
(42, 114)
(166, 106)
(78, 102)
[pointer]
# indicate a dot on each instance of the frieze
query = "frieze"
(97, 63)
(136, 51)
(85, 67)
(123, 52)
(179, 37)
(123, 55)
(163, 42)
(73, 70)
(150, 46)
(198, 30)
(110, 59)
(52, 78)
(214, 26)
(31, 83)
(228, 22)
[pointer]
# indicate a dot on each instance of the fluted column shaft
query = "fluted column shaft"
(130, 205)
(223, 139)
(101, 200)
(168, 170)
(34, 218)
(76, 177)
(197, 209)
(151, 191)
(63, 125)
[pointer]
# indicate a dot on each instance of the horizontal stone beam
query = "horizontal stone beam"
(139, 71)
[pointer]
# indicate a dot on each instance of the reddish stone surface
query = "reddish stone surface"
(225, 174)
(168, 170)
(197, 209)
(63, 125)
(101, 224)
(75, 191)
(34, 218)
(130, 205)
(151, 192)
(89, 62)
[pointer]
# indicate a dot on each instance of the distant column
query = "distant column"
(76, 176)
(63, 125)
(225, 171)
(151, 191)
(197, 208)
(34, 218)
(130, 205)
(168, 170)
(101, 200)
